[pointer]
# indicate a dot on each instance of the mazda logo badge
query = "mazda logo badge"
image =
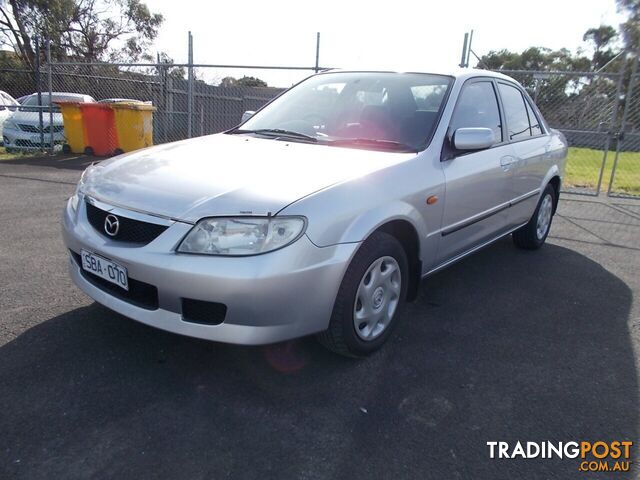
(111, 225)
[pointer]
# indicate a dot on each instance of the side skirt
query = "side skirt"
(470, 251)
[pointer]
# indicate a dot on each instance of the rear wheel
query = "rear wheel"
(371, 295)
(533, 235)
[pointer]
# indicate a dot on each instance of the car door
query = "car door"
(530, 146)
(477, 182)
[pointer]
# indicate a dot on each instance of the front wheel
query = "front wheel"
(371, 295)
(533, 235)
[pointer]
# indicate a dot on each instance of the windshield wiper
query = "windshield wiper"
(278, 132)
(373, 142)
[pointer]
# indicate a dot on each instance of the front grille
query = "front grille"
(36, 129)
(207, 313)
(130, 230)
(140, 294)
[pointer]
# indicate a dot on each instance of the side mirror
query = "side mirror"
(473, 138)
(247, 115)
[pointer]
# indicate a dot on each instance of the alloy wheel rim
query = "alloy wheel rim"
(377, 298)
(544, 216)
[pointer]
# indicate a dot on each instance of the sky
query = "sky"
(405, 34)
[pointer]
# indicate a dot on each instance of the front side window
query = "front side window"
(364, 109)
(478, 107)
(515, 111)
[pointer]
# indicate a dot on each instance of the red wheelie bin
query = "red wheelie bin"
(100, 127)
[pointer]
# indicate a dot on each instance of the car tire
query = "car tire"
(533, 235)
(377, 274)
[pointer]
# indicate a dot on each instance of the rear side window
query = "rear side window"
(478, 107)
(515, 110)
(536, 129)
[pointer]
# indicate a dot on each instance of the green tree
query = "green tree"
(601, 38)
(91, 30)
(534, 58)
(228, 82)
(242, 82)
(175, 72)
(631, 27)
(250, 82)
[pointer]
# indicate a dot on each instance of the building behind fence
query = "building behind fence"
(599, 112)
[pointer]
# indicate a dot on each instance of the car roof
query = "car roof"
(116, 100)
(460, 73)
(61, 94)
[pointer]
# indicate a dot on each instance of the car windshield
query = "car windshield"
(31, 103)
(382, 111)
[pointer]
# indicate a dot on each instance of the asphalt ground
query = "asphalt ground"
(506, 345)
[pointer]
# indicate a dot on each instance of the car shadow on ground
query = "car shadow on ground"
(506, 345)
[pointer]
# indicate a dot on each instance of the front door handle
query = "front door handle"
(507, 161)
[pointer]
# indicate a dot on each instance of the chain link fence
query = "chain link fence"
(585, 106)
(599, 112)
(217, 100)
(625, 175)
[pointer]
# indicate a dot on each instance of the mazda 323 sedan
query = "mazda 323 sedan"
(319, 214)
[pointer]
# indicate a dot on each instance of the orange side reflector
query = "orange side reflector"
(432, 199)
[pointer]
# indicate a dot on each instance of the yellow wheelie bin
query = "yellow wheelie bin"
(74, 131)
(134, 124)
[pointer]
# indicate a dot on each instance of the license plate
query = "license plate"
(105, 268)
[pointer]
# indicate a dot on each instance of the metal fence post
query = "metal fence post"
(50, 97)
(171, 117)
(614, 119)
(190, 89)
(39, 91)
(469, 50)
(317, 68)
(625, 113)
(463, 58)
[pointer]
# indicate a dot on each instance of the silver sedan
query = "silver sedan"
(322, 212)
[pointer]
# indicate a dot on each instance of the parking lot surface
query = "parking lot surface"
(506, 345)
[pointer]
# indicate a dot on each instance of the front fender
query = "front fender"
(367, 222)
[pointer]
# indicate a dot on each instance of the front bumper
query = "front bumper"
(20, 140)
(272, 297)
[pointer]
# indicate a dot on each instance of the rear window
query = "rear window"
(536, 129)
(31, 103)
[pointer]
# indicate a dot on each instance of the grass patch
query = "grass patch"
(583, 169)
(4, 155)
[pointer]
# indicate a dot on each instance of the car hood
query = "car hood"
(32, 118)
(227, 175)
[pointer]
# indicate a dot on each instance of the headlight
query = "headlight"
(242, 235)
(84, 179)
(75, 200)
(10, 124)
